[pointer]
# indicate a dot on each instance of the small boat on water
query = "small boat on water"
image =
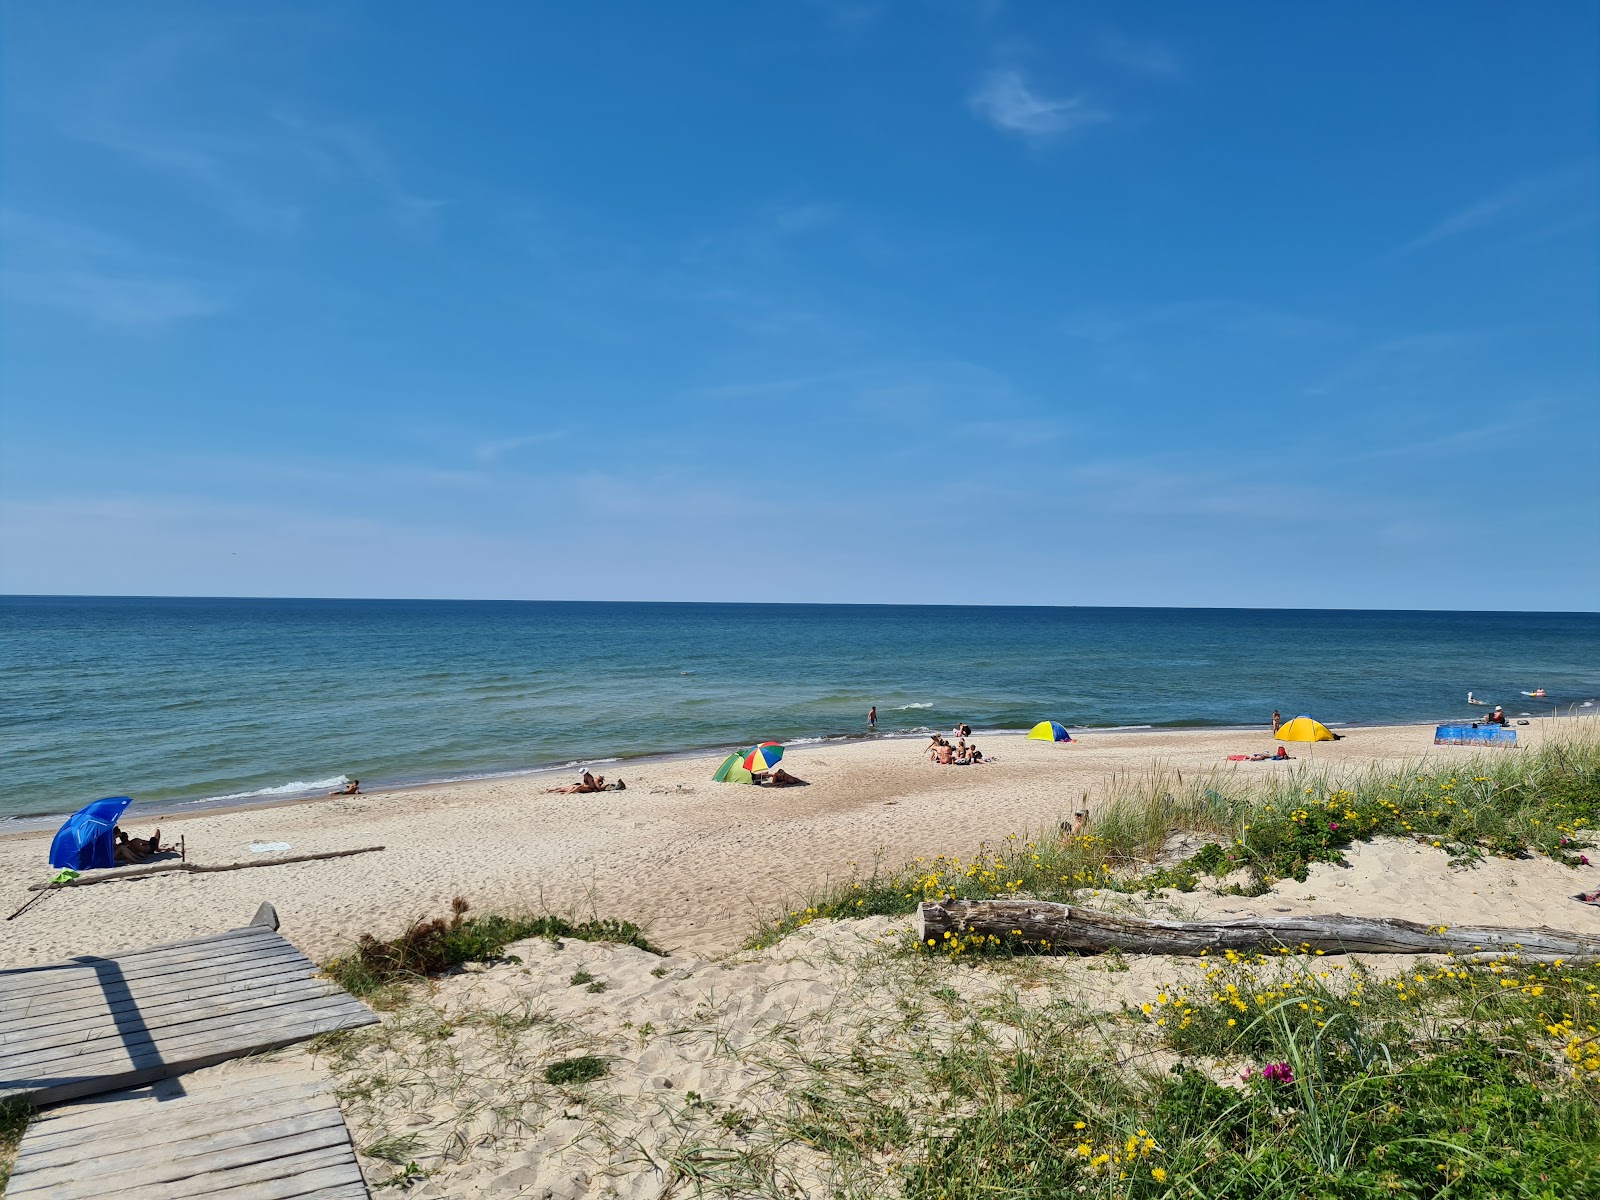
(1471, 699)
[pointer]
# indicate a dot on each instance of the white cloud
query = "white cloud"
(1005, 100)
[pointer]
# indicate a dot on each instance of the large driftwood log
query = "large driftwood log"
(189, 868)
(1043, 925)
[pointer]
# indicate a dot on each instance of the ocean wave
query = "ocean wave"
(287, 789)
(908, 707)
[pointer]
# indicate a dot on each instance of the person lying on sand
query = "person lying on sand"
(135, 850)
(589, 783)
(350, 789)
(782, 778)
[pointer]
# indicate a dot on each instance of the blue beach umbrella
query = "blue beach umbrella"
(87, 839)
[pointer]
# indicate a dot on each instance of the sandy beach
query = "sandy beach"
(694, 862)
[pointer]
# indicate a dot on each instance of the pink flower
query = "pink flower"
(1333, 825)
(1277, 1073)
(1584, 859)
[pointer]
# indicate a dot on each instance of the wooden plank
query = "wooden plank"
(183, 1026)
(316, 1167)
(215, 1151)
(244, 933)
(91, 972)
(17, 1030)
(221, 1111)
(145, 1047)
(205, 1132)
(165, 1013)
(210, 1156)
(103, 1076)
(204, 987)
(77, 982)
(267, 1130)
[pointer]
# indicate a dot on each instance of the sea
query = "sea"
(187, 702)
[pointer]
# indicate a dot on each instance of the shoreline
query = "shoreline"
(27, 824)
(693, 862)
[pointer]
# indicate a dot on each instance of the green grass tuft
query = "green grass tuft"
(571, 1072)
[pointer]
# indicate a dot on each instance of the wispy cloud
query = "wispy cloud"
(1141, 56)
(264, 166)
(90, 274)
(1209, 317)
(1004, 99)
(1535, 194)
(493, 451)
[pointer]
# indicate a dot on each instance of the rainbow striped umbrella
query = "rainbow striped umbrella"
(763, 757)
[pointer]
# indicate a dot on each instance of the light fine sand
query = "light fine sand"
(693, 861)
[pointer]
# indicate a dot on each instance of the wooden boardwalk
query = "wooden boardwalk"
(247, 1131)
(94, 1025)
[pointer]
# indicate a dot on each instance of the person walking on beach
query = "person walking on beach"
(872, 717)
(1277, 720)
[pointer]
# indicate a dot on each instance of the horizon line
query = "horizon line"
(5, 596)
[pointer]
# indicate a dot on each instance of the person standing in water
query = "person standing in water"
(872, 717)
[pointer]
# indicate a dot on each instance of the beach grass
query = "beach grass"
(15, 1114)
(1244, 832)
(1264, 1078)
(380, 969)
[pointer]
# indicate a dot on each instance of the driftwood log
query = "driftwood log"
(1053, 927)
(189, 868)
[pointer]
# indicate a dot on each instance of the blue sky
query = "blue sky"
(1245, 304)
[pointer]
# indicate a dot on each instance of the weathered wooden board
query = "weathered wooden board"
(93, 1025)
(248, 1131)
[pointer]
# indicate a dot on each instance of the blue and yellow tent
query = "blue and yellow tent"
(1049, 731)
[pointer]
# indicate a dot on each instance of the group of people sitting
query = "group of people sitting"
(136, 850)
(589, 783)
(957, 754)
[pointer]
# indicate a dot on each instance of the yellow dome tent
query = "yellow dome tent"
(1303, 729)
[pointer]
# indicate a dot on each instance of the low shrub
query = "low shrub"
(430, 947)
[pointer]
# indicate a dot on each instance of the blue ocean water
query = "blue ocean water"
(181, 700)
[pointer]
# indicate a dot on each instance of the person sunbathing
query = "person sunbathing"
(943, 754)
(589, 783)
(782, 778)
(350, 789)
(135, 850)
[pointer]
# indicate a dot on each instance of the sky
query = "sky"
(1250, 304)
